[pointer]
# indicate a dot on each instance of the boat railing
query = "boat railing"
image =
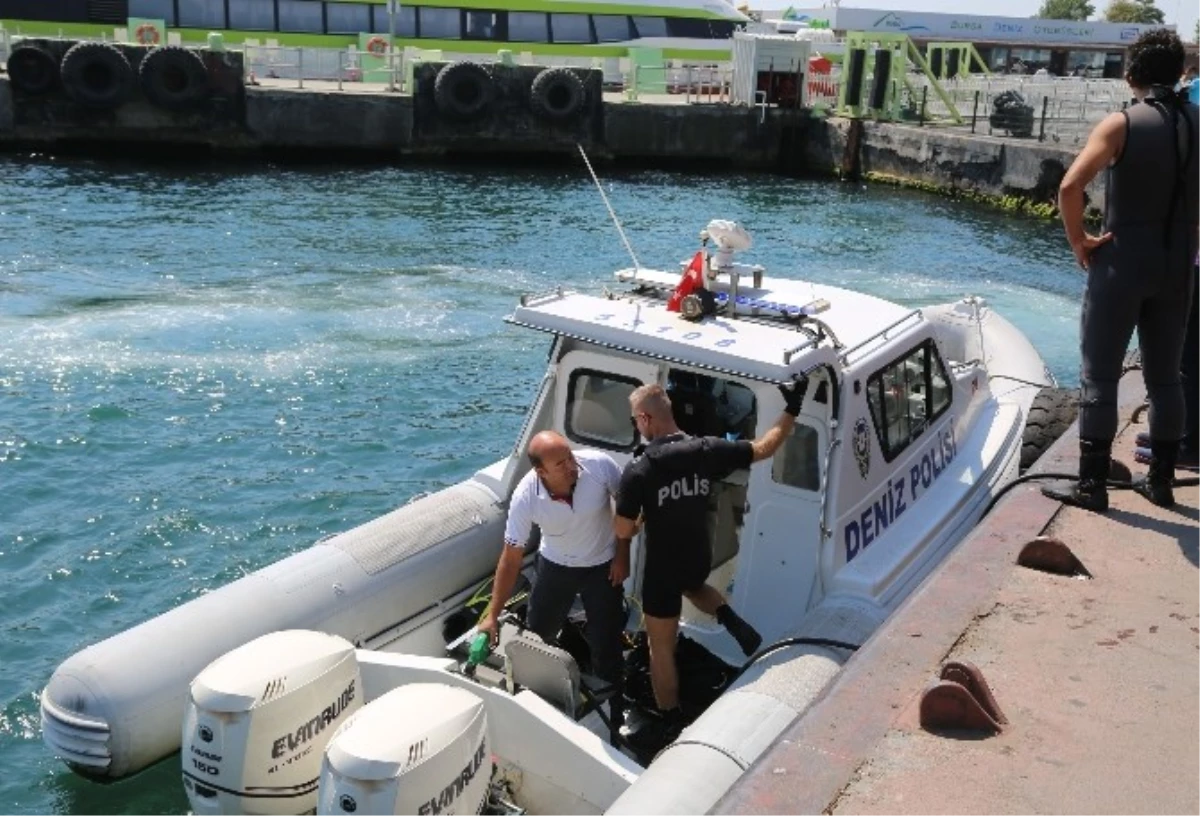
(882, 334)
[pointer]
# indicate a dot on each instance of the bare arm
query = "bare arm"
(766, 445)
(507, 570)
(1103, 146)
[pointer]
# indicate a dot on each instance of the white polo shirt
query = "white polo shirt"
(579, 534)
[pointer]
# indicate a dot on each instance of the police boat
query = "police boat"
(342, 678)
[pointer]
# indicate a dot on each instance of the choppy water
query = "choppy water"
(204, 370)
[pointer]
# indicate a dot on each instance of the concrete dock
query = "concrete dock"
(275, 120)
(1099, 678)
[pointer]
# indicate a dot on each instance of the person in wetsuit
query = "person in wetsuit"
(668, 487)
(1139, 270)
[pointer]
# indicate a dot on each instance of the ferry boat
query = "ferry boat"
(340, 678)
(681, 29)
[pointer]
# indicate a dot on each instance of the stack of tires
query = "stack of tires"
(1012, 113)
(464, 91)
(98, 75)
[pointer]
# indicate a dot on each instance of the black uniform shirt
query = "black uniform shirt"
(670, 483)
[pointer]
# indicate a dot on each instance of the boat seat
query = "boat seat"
(548, 671)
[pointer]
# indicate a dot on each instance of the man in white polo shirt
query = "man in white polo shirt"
(569, 496)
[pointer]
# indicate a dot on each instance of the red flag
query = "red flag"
(693, 279)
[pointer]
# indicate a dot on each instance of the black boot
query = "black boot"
(1091, 491)
(1157, 484)
(742, 632)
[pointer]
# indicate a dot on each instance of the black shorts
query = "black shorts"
(666, 579)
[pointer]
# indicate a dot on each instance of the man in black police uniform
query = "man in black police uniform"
(668, 486)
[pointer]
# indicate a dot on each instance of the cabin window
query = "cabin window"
(406, 21)
(345, 18)
(598, 409)
(440, 23)
(252, 15)
(612, 28)
(202, 14)
(905, 396)
(570, 28)
(706, 406)
(798, 463)
(481, 25)
(165, 10)
(650, 26)
(692, 28)
(303, 16)
(528, 26)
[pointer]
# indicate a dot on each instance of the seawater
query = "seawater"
(205, 369)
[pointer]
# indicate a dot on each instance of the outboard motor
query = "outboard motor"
(420, 748)
(258, 721)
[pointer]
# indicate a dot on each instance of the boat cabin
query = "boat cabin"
(844, 506)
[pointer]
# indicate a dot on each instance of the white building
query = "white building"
(1062, 47)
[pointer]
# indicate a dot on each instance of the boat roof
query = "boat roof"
(774, 336)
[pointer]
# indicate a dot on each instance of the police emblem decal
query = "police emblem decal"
(862, 446)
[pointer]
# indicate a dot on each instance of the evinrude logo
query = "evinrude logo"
(347, 803)
(206, 734)
(862, 446)
(454, 790)
(290, 742)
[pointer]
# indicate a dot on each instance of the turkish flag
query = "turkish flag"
(693, 279)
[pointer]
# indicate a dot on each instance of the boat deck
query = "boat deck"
(1099, 678)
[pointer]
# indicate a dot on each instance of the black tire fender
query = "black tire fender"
(557, 94)
(463, 90)
(1051, 413)
(32, 69)
(96, 74)
(173, 77)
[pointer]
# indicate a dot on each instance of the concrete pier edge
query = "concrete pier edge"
(817, 759)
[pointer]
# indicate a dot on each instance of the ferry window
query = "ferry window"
(345, 18)
(699, 29)
(650, 26)
(570, 28)
(906, 396)
(301, 15)
(158, 10)
(481, 25)
(528, 26)
(598, 409)
(202, 13)
(406, 21)
(440, 23)
(612, 28)
(798, 462)
(252, 15)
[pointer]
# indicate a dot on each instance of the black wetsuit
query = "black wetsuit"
(670, 484)
(1143, 277)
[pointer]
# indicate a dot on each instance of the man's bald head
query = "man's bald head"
(547, 445)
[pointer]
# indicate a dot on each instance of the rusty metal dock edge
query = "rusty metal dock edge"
(813, 761)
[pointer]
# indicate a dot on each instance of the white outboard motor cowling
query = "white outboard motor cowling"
(258, 721)
(420, 748)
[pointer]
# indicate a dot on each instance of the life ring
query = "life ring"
(174, 78)
(463, 90)
(96, 74)
(147, 34)
(377, 46)
(32, 69)
(557, 94)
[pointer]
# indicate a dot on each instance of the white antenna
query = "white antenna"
(636, 265)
